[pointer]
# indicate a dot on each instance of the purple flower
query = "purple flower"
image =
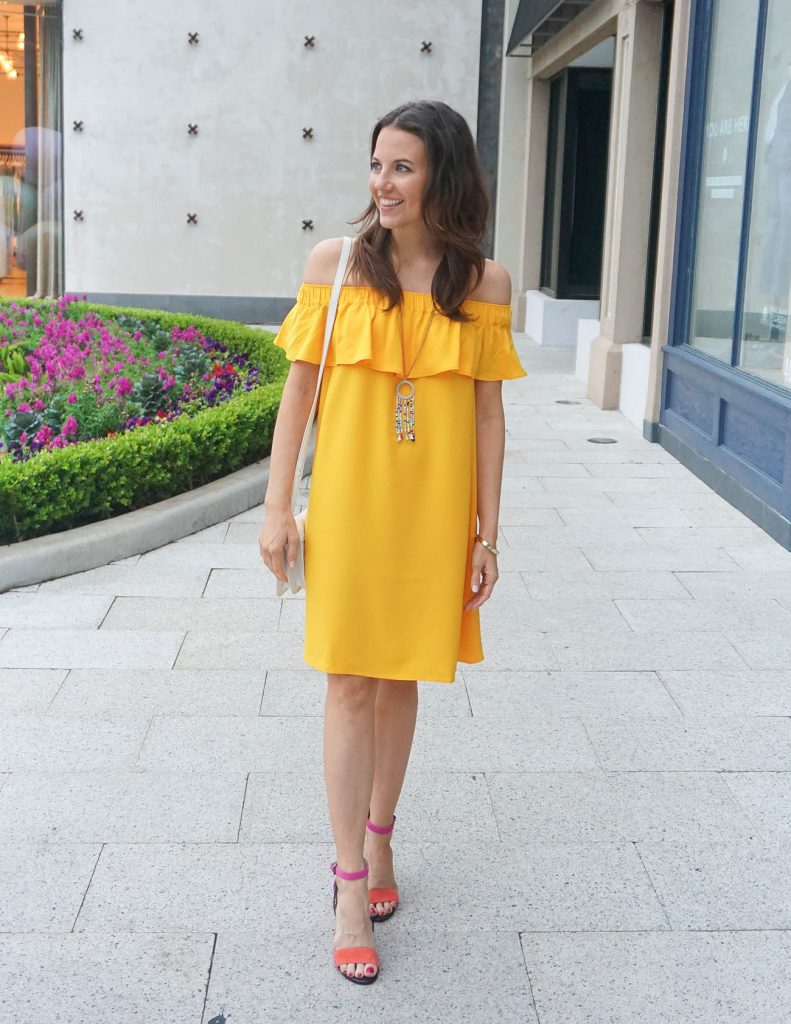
(72, 398)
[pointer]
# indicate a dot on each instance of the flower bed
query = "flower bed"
(106, 410)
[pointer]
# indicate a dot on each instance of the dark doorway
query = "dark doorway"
(576, 183)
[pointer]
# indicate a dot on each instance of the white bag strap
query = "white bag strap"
(333, 307)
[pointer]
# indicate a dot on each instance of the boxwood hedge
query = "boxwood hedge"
(66, 487)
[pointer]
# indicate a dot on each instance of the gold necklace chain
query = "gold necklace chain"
(403, 347)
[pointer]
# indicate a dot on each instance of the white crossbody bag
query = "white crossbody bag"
(296, 575)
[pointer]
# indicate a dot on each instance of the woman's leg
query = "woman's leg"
(349, 735)
(396, 714)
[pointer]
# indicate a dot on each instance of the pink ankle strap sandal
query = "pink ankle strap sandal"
(382, 895)
(352, 954)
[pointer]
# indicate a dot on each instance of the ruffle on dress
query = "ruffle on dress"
(366, 332)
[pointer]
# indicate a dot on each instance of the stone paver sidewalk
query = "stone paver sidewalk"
(595, 825)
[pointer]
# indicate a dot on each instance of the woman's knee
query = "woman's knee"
(398, 687)
(350, 690)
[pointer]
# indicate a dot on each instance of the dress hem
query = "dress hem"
(372, 675)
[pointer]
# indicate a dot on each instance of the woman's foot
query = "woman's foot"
(353, 924)
(379, 854)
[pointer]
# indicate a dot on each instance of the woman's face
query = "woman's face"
(399, 173)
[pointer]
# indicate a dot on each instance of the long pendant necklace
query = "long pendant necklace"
(405, 403)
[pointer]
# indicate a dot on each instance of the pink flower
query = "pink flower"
(69, 427)
(23, 407)
(72, 398)
(123, 386)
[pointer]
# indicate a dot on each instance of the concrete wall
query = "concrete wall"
(251, 85)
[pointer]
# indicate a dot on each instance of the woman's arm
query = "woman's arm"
(490, 451)
(278, 537)
(292, 418)
(490, 442)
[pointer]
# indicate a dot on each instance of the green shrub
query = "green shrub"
(62, 488)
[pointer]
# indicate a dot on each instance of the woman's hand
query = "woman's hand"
(279, 541)
(484, 569)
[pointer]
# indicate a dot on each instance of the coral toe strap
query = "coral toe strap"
(383, 895)
(355, 955)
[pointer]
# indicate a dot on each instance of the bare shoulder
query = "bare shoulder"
(323, 261)
(495, 285)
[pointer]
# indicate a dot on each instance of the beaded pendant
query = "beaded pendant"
(405, 403)
(405, 412)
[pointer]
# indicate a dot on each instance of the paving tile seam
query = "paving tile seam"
(243, 806)
(208, 983)
(87, 887)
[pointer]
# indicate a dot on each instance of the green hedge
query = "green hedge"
(66, 487)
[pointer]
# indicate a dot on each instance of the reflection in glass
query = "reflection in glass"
(31, 147)
(766, 340)
(723, 167)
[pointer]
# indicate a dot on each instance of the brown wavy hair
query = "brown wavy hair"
(455, 208)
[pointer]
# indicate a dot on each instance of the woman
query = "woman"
(394, 570)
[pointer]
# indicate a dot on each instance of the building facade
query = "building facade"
(206, 147)
(647, 147)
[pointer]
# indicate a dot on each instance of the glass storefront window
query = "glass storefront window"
(765, 337)
(727, 123)
(31, 145)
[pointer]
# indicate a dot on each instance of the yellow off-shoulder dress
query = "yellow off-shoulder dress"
(391, 525)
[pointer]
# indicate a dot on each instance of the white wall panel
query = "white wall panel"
(251, 85)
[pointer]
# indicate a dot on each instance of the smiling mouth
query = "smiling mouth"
(389, 205)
